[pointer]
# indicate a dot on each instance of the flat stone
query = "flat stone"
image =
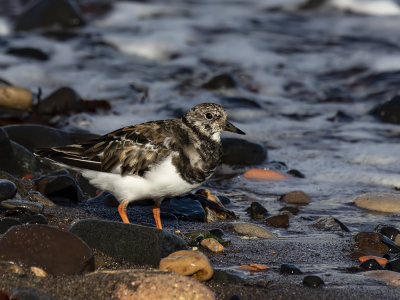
(8, 189)
(212, 245)
(136, 243)
(35, 207)
(296, 197)
(55, 251)
(383, 202)
(390, 277)
(188, 262)
(252, 230)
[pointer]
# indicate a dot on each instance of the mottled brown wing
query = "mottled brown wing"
(129, 150)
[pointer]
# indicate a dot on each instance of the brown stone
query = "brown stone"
(55, 251)
(187, 262)
(296, 197)
(372, 247)
(368, 235)
(280, 221)
(212, 245)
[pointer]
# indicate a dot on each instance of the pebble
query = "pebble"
(15, 97)
(370, 264)
(212, 245)
(39, 272)
(140, 244)
(280, 221)
(188, 262)
(296, 197)
(55, 251)
(49, 13)
(383, 202)
(252, 230)
(312, 281)
(329, 223)
(164, 287)
(290, 269)
(389, 231)
(8, 189)
(35, 207)
(257, 211)
(240, 152)
(7, 223)
(390, 277)
(27, 293)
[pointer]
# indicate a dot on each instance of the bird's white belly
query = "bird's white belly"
(161, 181)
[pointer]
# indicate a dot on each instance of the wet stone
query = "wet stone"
(290, 269)
(393, 248)
(383, 202)
(296, 197)
(370, 264)
(35, 207)
(312, 281)
(329, 223)
(61, 101)
(240, 152)
(27, 293)
(296, 173)
(141, 244)
(7, 189)
(280, 221)
(249, 229)
(187, 208)
(187, 262)
(389, 231)
(371, 247)
(212, 245)
(33, 219)
(368, 235)
(257, 211)
(7, 223)
(55, 251)
(219, 233)
(393, 265)
(292, 209)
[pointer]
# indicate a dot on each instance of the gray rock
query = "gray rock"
(7, 189)
(242, 153)
(136, 243)
(252, 230)
(56, 251)
(35, 207)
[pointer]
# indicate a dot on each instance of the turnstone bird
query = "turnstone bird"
(153, 160)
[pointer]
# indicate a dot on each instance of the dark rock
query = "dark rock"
(7, 223)
(55, 251)
(292, 209)
(14, 158)
(329, 223)
(34, 136)
(389, 231)
(242, 153)
(340, 117)
(222, 81)
(393, 248)
(393, 265)
(61, 101)
(28, 53)
(371, 247)
(296, 173)
(312, 281)
(184, 207)
(239, 102)
(61, 189)
(7, 189)
(27, 293)
(50, 13)
(219, 233)
(296, 197)
(290, 269)
(34, 207)
(353, 270)
(370, 264)
(368, 235)
(256, 210)
(389, 112)
(280, 221)
(33, 219)
(140, 244)
(224, 277)
(224, 200)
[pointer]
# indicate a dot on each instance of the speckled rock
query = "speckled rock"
(7, 189)
(56, 251)
(383, 202)
(212, 245)
(296, 197)
(188, 262)
(140, 244)
(252, 230)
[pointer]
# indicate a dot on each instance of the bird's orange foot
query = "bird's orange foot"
(156, 214)
(122, 211)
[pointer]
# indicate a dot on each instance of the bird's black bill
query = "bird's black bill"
(231, 128)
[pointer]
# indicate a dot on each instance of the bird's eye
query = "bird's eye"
(209, 116)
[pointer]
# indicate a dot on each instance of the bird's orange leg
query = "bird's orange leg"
(156, 214)
(122, 211)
